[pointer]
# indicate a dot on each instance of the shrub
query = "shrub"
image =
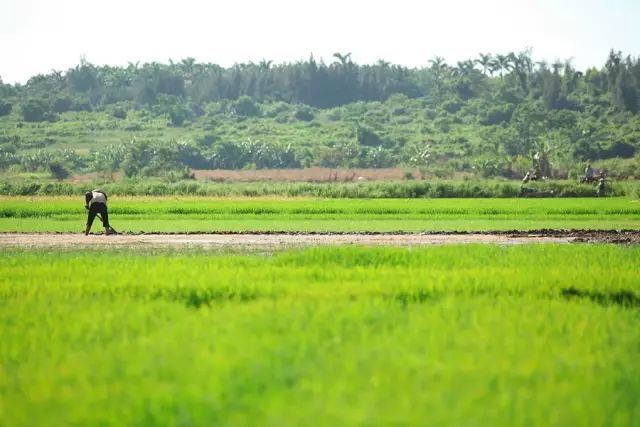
(5, 108)
(621, 149)
(58, 171)
(496, 115)
(304, 113)
(36, 110)
(366, 136)
(178, 115)
(452, 106)
(119, 113)
(62, 103)
(245, 107)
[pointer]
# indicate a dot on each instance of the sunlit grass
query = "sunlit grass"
(472, 335)
(291, 214)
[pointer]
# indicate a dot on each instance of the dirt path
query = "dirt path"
(276, 240)
(259, 240)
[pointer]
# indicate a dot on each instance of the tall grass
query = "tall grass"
(535, 335)
(401, 189)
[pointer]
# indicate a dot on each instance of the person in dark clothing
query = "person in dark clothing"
(96, 203)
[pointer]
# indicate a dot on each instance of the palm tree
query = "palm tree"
(503, 63)
(465, 68)
(485, 61)
(438, 69)
(438, 63)
(265, 65)
(187, 67)
(493, 66)
(133, 66)
(523, 61)
(523, 67)
(343, 60)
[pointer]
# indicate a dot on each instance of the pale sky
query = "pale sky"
(37, 36)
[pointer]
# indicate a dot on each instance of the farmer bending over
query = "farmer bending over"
(96, 203)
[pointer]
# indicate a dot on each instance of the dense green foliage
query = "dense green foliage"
(184, 214)
(490, 115)
(358, 190)
(516, 336)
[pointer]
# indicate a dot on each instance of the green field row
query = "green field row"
(192, 214)
(472, 335)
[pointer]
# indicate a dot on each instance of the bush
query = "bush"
(496, 115)
(36, 110)
(58, 171)
(452, 106)
(81, 104)
(621, 149)
(119, 113)
(335, 115)
(275, 109)
(62, 103)
(245, 107)
(443, 124)
(178, 115)
(304, 113)
(366, 136)
(5, 108)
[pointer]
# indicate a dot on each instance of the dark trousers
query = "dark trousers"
(95, 209)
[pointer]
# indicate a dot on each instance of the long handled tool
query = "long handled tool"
(101, 220)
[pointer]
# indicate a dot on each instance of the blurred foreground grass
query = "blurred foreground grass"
(459, 335)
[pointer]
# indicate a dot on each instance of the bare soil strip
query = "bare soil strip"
(276, 240)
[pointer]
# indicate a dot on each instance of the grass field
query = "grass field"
(193, 214)
(472, 335)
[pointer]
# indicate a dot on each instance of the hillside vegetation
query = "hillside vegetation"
(495, 115)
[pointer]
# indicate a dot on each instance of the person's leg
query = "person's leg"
(91, 216)
(105, 215)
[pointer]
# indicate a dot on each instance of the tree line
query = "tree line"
(511, 77)
(505, 109)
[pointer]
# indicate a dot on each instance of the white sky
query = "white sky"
(37, 36)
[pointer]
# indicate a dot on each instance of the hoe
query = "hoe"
(113, 230)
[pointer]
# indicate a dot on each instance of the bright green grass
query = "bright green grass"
(291, 214)
(473, 335)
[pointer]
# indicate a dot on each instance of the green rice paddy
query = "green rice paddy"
(454, 335)
(193, 214)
